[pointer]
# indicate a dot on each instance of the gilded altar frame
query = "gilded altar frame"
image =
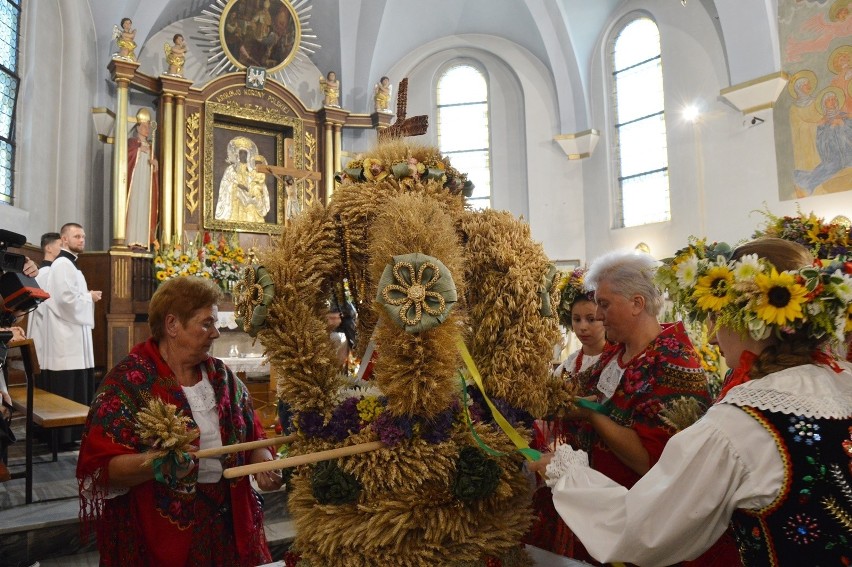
(268, 130)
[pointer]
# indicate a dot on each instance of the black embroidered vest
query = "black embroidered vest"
(810, 523)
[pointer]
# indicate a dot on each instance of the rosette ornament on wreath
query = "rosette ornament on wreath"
(252, 295)
(417, 291)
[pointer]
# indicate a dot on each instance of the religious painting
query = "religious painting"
(240, 193)
(812, 115)
(259, 33)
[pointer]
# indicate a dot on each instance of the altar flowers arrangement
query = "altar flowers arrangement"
(752, 296)
(218, 258)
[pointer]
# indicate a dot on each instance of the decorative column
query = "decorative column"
(338, 142)
(167, 137)
(328, 169)
(174, 147)
(333, 120)
(122, 73)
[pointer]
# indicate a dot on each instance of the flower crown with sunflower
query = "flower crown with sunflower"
(751, 296)
(571, 287)
(824, 239)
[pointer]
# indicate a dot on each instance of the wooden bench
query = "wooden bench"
(42, 408)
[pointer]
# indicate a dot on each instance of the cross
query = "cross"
(403, 127)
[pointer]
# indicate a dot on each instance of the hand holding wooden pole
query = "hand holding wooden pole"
(249, 445)
(306, 459)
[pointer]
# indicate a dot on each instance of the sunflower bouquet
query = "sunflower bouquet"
(217, 258)
(752, 296)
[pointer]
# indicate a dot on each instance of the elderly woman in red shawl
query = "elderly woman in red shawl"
(150, 514)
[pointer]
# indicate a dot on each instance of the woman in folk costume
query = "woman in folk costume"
(577, 313)
(772, 457)
(142, 186)
(622, 421)
(180, 512)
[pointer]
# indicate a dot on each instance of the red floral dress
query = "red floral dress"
(152, 523)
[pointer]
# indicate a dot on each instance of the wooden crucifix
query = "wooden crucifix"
(404, 127)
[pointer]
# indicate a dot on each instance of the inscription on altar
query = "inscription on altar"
(231, 95)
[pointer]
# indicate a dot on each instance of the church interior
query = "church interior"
(254, 113)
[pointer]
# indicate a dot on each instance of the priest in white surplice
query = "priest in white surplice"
(51, 244)
(68, 365)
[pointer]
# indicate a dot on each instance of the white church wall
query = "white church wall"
(55, 139)
(720, 169)
(531, 176)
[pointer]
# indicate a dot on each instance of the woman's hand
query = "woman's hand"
(4, 411)
(540, 466)
(574, 411)
(268, 480)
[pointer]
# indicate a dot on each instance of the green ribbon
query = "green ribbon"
(170, 461)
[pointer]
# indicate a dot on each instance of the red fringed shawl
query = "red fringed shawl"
(151, 523)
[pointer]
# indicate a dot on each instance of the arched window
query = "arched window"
(463, 132)
(10, 16)
(640, 125)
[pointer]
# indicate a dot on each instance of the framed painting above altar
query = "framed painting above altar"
(260, 34)
(238, 197)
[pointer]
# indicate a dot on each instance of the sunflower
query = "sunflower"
(183, 259)
(713, 290)
(781, 298)
(161, 275)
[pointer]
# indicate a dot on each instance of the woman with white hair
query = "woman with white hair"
(654, 368)
(773, 457)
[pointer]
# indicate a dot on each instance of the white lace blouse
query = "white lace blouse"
(202, 402)
(724, 461)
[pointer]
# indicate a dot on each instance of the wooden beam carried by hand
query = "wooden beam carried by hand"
(305, 459)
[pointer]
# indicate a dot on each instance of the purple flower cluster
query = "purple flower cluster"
(437, 430)
(513, 415)
(392, 430)
(311, 423)
(344, 420)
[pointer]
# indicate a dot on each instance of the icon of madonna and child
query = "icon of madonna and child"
(243, 192)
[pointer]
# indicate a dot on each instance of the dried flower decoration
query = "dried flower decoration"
(407, 172)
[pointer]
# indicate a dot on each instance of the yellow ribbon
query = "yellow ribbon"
(521, 443)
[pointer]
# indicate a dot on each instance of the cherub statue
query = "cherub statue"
(176, 55)
(124, 37)
(330, 87)
(383, 95)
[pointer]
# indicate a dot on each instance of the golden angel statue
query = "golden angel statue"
(125, 37)
(176, 55)
(383, 95)
(330, 87)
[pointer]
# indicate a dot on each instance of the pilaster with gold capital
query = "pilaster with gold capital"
(122, 73)
(177, 88)
(333, 120)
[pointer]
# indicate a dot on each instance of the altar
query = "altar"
(200, 135)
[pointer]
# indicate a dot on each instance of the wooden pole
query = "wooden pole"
(237, 447)
(306, 459)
